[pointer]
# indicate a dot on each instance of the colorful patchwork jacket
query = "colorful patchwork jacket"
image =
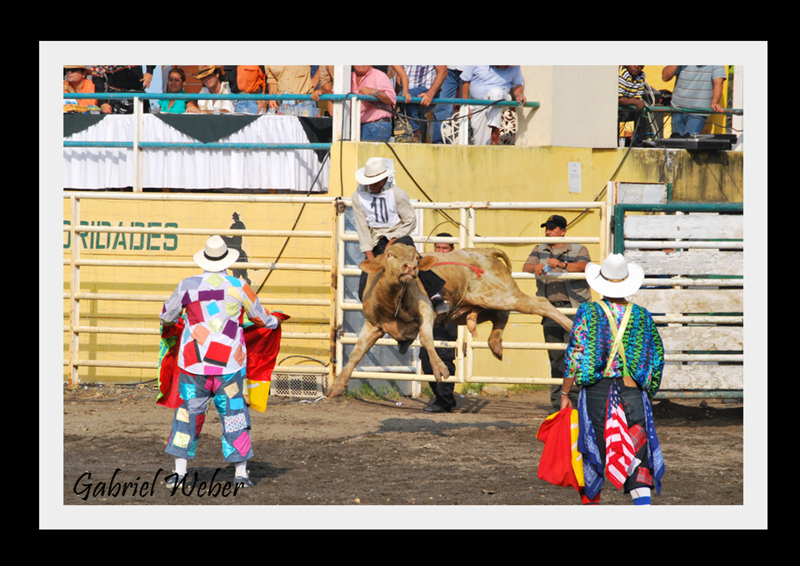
(591, 340)
(212, 342)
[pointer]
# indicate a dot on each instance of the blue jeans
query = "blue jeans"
(418, 110)
(246, 106)
(376, 131)
(687, 124)
(451, 88)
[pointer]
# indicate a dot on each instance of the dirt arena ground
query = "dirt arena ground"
(354, 452)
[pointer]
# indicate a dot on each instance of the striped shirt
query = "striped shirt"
(694, 86)
(630, 86)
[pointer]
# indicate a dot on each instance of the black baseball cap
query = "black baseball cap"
(555, 221)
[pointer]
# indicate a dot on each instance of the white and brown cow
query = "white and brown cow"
(478, 287)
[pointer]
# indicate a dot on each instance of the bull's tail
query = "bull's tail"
(500, 254)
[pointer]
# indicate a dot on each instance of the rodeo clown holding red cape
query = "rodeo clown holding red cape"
(616, 353)
(223, 348)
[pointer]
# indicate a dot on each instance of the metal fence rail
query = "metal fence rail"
(75, 262)
(702, 309)
(467, 238)
(334, 338)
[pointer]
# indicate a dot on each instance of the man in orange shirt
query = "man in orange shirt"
(75, 80)
(250, 79)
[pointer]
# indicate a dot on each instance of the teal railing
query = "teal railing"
(239, 96)
(673, 109)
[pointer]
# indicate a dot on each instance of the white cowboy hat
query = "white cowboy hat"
(616, 277)
(216, 256)
(377, 168)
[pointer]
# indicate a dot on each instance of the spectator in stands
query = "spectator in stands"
(376, 119)
(122, 78)
(697, 86)
(324, 86)
(249, 79)
(175, 82)
(490, 82)
(424, 81)
(75, 80)
(629, 92)
(451, 88)
(443, 399)
(290, 79)
(398, 75)
(210, 76)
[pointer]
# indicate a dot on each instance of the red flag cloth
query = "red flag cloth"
(261, 352)
(168, 391)
(556, 464)
(262, 344)
(619, 446)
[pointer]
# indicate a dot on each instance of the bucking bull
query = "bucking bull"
(478, 287)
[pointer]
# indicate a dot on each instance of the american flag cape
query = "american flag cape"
(620, 454)
(262, 344)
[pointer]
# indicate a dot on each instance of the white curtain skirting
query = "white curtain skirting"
(182, 168)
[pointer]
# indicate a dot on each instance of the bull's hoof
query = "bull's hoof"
(496, 346)
(334, 391)
(498, 353)
(403, 345)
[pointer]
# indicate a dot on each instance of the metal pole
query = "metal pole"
(138, 103)
(75, 306)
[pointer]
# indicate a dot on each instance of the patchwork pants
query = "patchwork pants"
(227, 393)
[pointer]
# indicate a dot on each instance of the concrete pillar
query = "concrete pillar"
(578, 106)
(341, 85)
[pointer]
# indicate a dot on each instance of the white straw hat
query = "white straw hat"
(616, 277)
(216, 256)
(376, 169)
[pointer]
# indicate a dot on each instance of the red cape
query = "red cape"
(263, 345)
(556, 465)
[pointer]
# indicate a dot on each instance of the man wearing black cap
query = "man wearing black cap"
(562, 293)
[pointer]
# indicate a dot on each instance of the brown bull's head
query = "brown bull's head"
(399, 262)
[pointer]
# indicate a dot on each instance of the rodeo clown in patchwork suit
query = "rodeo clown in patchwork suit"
(212, 358)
